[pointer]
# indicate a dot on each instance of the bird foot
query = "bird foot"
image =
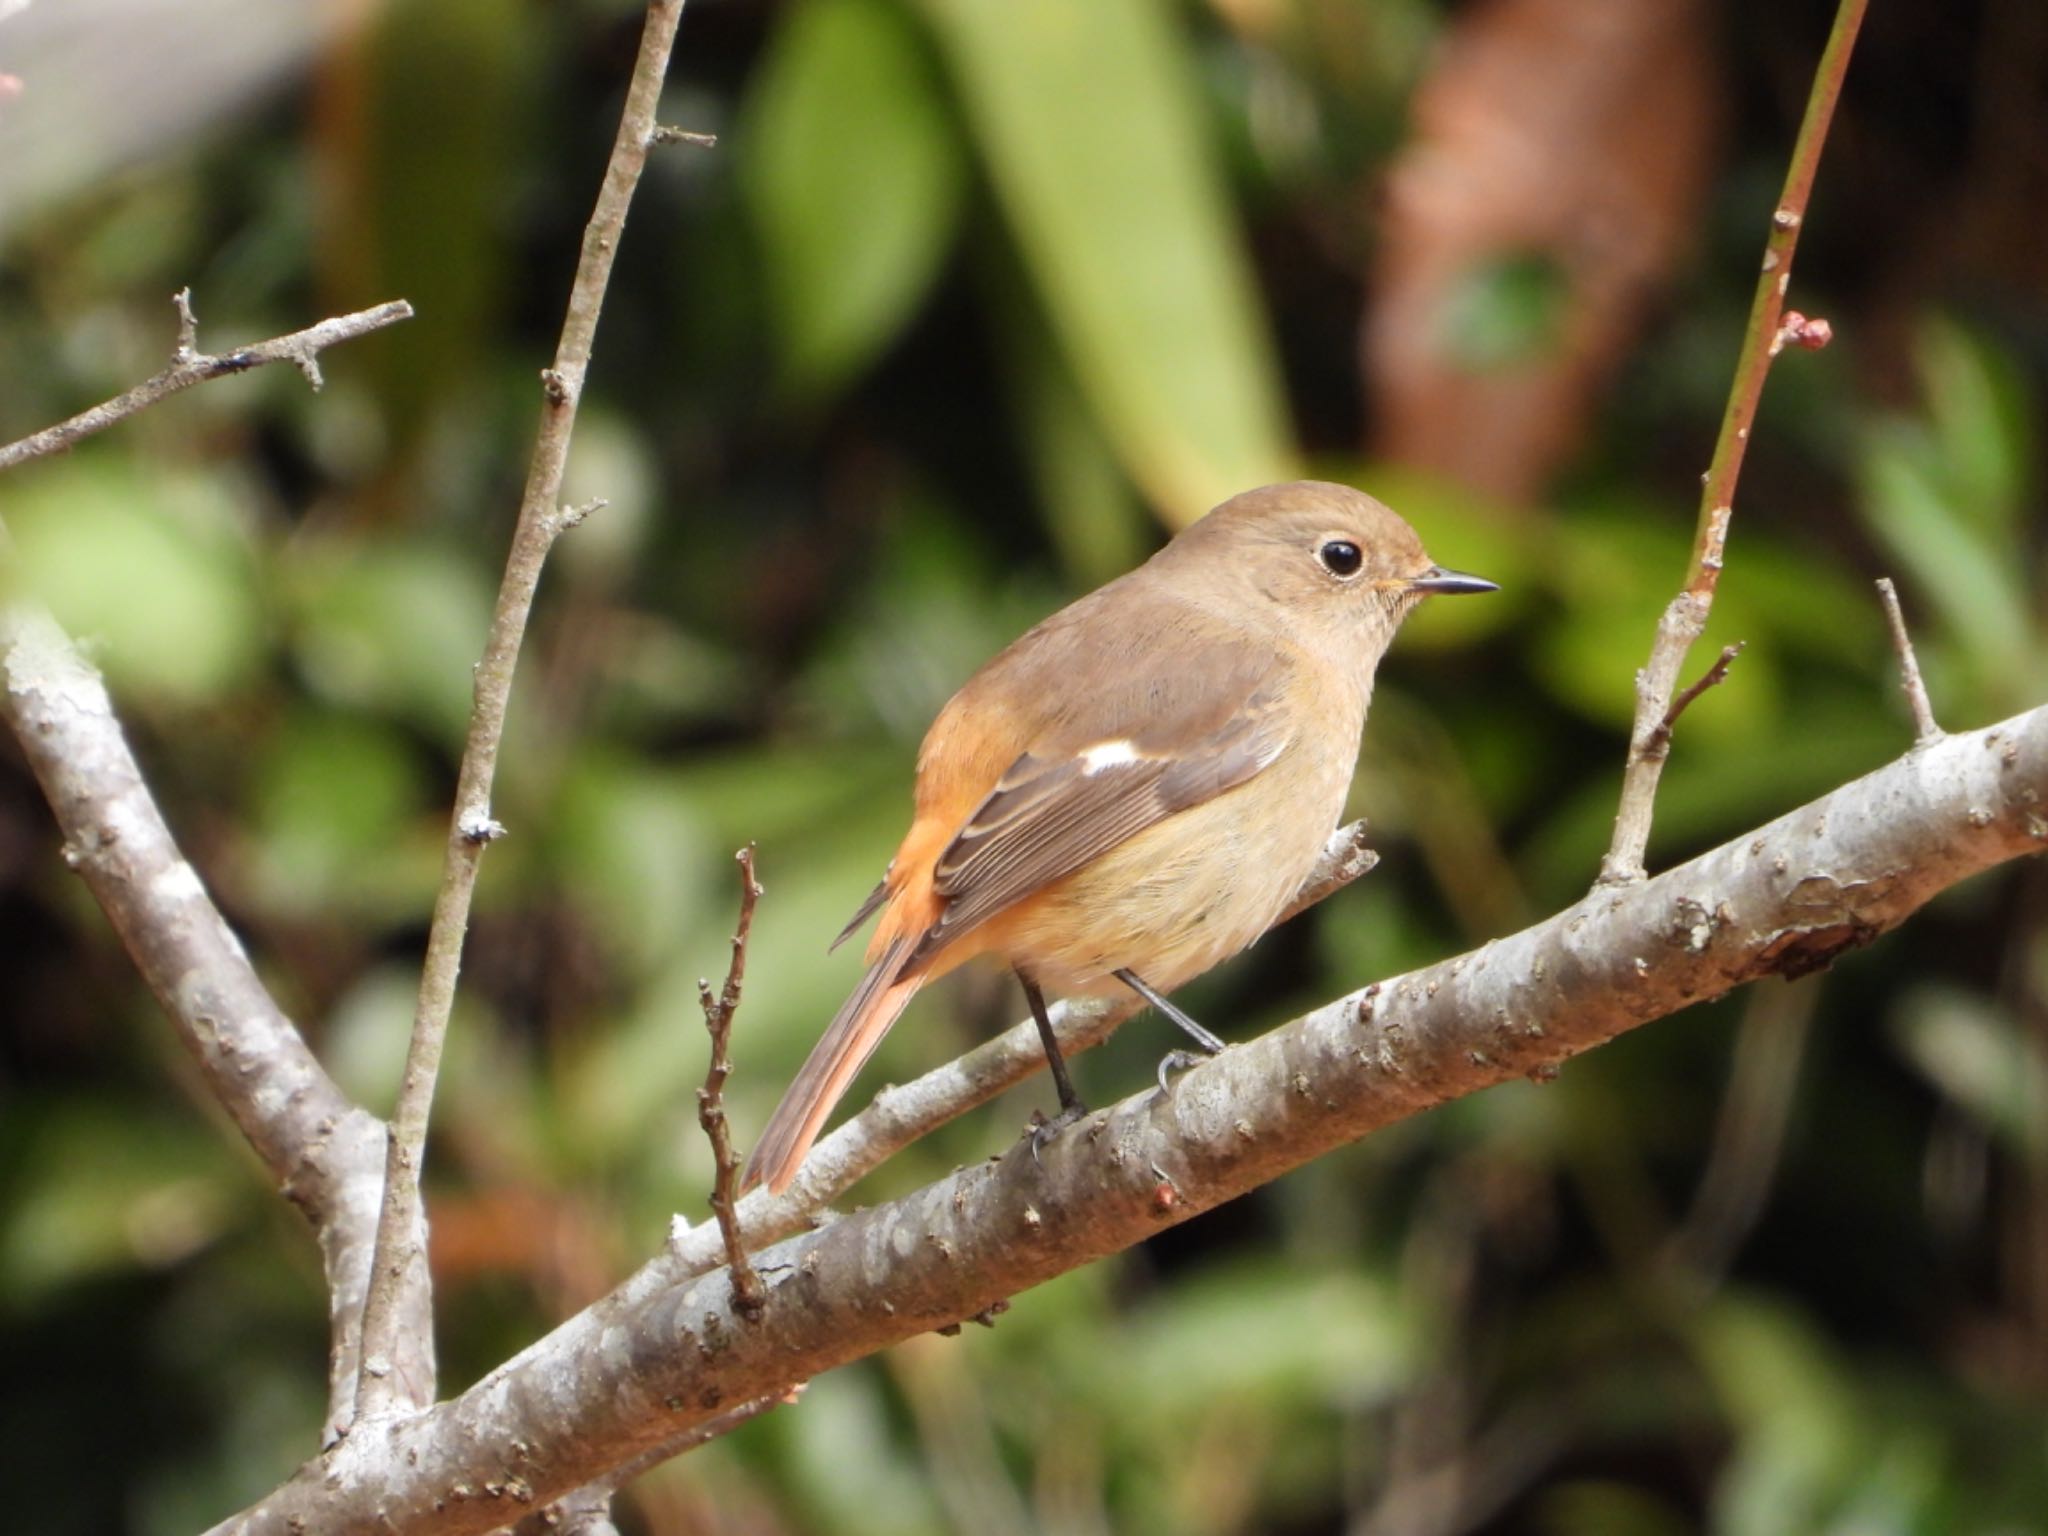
(1043, 1130)
(1178, 1061)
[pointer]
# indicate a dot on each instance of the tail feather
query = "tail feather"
(849, 1040)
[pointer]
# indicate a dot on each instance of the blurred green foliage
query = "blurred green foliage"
(972, 301)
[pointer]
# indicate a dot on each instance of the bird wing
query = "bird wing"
(1167, 730)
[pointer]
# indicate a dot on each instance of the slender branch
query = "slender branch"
(1924, 728)
(748, 1294)
(1686, 617)
(1714, 676)
(325, 1153)
(190, 366)
(472, 827)
(642, 1366)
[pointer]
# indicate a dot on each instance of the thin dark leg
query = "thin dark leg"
(1070, 1101)
(1071, 1107)
(1209, 1043)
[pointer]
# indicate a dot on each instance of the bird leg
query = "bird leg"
(1210, 1044)
(1071, 1107)
(1172, 1061)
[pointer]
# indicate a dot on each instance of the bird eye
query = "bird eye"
(1341, 557)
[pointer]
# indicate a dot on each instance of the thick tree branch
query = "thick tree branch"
(326, 1153)
(650, 1363)
(190, 366)
(1685, 619)
(401, 1223)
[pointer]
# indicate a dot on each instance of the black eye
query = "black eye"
(1341, 557)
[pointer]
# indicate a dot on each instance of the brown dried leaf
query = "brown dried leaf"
(1558, 141)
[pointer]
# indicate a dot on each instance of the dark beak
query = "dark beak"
(1450, 583)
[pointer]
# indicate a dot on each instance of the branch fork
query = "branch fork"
(1770, 329)
(190, 366)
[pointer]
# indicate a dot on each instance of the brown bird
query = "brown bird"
(1133, 790)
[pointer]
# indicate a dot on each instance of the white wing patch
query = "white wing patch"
(1108, 754)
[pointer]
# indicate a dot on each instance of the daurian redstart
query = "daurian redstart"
(1134, 790)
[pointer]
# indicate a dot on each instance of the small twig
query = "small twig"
(187, 349)
(574, 517)
(1924, 728)
(1765, 336)
(472, 827)
(664, 134)
(190, 366)
(1660, 739)
(748, 1296)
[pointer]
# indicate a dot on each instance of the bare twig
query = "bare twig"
(664, 134)
(1686, 616)
(1660, 739)
(649, 1363)
(472, 827)
(748, 1295)
(190, 366)
(1924, 728)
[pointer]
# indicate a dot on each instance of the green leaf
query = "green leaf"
(1972, 579)
(853, 175)
(1979, 1056)
(147, 570)
(340, 824)
(397, 626)
(1260, 1329)
(427, 179)
(635, 853)
(101, 1187)
(1094, 517)
(1088, 118)
(1795, 1416)
(1977, 406)
(1506, 310)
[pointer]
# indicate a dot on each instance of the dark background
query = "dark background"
(970, 305)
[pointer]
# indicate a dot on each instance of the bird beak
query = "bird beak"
(1450, 583)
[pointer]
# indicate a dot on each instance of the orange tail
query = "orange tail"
(849, 1040)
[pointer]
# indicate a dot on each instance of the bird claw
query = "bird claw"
(1176, 1061)
(1043, 1130)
